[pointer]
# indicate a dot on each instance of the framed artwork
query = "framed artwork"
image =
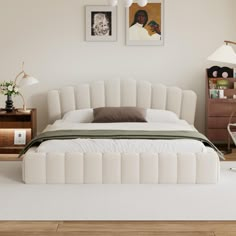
(101, 23)
(145, 25)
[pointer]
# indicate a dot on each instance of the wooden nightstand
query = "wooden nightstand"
(13, 127)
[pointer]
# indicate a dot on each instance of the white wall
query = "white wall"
(49, 36)
(234, 20)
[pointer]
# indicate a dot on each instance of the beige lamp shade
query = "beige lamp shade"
(225, 54)
(27, 80)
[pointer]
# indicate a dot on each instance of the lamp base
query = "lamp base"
(24, 110)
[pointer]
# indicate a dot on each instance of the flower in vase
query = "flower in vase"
(9, 88)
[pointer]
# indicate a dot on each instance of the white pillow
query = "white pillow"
(79, 116)
(155, 115)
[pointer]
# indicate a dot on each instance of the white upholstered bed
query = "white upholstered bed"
(121, 167)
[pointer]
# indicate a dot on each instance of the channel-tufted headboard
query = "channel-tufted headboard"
(118, 93)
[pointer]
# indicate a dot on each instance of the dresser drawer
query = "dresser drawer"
(221, 109)
(217, 135)
(219, 122)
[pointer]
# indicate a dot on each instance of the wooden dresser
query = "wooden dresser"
(219, 110)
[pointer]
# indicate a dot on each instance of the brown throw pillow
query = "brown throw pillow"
(119, 114)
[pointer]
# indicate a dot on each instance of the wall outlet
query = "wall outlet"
(19, 137)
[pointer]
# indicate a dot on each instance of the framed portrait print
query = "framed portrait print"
(145, 25)
(100, 23)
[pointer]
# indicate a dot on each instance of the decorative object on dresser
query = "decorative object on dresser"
(25, 80)
(16, 130)
(217, 72)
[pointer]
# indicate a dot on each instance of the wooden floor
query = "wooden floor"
(115, 228)
(231, 156)
(9, 157)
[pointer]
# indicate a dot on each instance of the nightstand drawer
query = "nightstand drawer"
(219, 122)
(15, 124)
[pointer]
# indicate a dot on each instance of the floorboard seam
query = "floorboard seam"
(58, 225)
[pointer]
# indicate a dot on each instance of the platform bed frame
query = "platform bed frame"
(121, 168)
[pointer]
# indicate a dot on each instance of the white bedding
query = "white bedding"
(178, 125)
(122, 145)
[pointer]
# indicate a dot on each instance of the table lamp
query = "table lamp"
(25, 80)
(224, 53)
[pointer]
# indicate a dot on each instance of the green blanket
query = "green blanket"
(119, 134)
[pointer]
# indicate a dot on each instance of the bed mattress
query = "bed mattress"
(121, 145)
(124, 145)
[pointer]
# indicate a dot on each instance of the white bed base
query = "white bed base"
(121, 168)
(125, 168)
